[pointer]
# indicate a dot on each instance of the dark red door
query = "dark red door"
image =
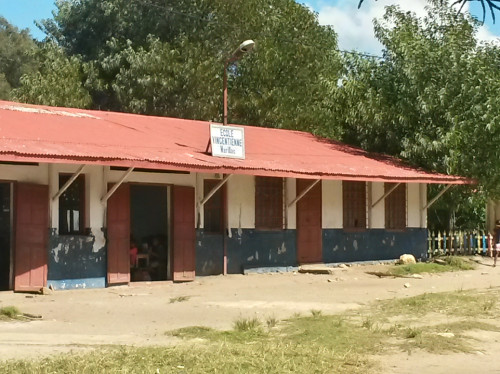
(32, 224)
(183, 234)
(309, 234)
(118, 213)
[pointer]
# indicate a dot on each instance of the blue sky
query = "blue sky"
(23, 13)
(353, 26)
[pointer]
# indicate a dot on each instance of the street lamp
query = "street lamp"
(244, 47)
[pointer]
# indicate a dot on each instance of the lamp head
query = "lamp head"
(243, 48)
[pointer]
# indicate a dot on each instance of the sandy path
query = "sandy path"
(140, 314)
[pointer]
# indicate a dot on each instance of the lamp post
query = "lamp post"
(243, 48)
(238, 53)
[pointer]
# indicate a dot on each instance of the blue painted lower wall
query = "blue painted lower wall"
(374, 244)
(70, 284)
(246, 248)
(209, 253)
(249, 248)
(74, 262)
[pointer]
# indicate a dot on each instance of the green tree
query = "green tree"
(16, 56)
(167, 58)
(433, 99)
(492, 5)
(57, 82)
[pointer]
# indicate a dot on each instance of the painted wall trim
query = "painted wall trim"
(71, 284)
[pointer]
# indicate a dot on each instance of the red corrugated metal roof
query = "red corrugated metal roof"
(61, 135)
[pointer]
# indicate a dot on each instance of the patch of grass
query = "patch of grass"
(367, 324)
(469, 308)
(452, 263)
(304, 344)
(271, 322)
(412, 333)
(193, 332)
(459, 263)
(179, 299)
(458, 303)
(437, 344)
(489, 305)
(316, 313)
(10, 312)
(247, 324)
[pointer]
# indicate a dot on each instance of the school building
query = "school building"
(80, 188)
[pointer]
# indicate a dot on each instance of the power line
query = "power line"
(368, 55)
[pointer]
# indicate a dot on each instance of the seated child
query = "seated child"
(133, 254)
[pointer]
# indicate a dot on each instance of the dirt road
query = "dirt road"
(141, 313)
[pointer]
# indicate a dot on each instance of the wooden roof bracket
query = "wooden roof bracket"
(113, 189)
(68, 183)
(430, 203)
(393, 188)
(214, 190)
(304, 192)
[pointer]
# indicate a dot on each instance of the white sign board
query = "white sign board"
(227, 141)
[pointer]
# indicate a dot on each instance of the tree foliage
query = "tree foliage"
(56, 82)
(167, 58)
(433, 100)
(16, 56)
(492, 5)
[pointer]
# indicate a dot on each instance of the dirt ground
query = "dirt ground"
(141, 313)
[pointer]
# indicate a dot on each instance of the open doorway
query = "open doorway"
(149, 233)
(6, 263)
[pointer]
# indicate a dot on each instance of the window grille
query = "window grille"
(354, 204)
(213, 208)
(395, 207)
(72, 206)
(269, 209)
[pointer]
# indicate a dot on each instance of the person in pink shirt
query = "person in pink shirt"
(133, 254)
(496, 242)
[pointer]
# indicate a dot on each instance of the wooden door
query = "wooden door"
(32, 225)
(183, 233)
(309, 233)
(118, 227)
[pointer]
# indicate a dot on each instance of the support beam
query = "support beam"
(117, 184)
(68, 183)
(386, 194)
(430, 203)
(303, 193)
(215, 189)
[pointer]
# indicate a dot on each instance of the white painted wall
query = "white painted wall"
(25, 173)
(290, 194)
(414, 204)
(241, 202)
(423, 203)
(96, 180)
(199, 194)
(94, 190)
(240, 189)
(94, 210)
(376, 214)
(332, 217)
(158, 178)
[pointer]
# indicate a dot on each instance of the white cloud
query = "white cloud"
(355, 26)
(486, 35)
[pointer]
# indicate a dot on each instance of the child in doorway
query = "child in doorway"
(133, 254)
